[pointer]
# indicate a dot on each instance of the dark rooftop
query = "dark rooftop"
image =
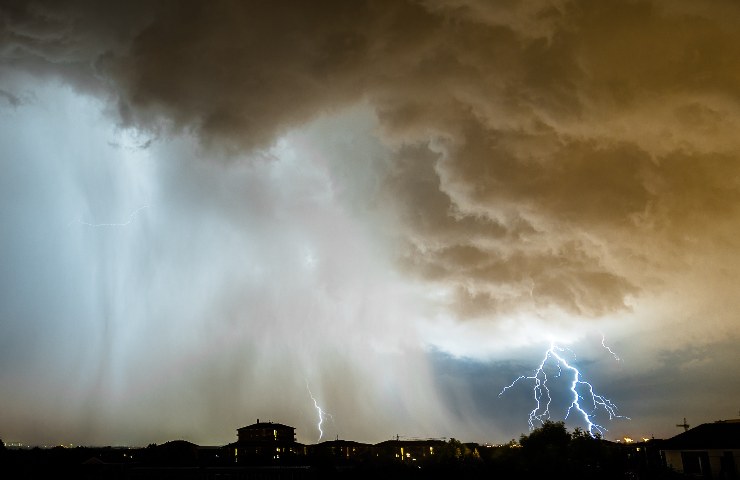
(722, 434)
(265, 425)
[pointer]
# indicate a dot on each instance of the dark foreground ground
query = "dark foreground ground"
(548, 452)
(49, 464)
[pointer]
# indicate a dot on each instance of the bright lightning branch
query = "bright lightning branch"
(584, 401)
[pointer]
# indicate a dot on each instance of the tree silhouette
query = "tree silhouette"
(546, 447)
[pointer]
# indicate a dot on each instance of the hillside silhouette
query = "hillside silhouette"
(268, 450)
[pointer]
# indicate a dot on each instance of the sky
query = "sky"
(212, 211)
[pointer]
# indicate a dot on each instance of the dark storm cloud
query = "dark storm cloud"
(67, 40)
(524, 106)
(531, 142)
(10, 99)
(567, 277)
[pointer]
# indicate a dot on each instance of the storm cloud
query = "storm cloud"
(250, 196)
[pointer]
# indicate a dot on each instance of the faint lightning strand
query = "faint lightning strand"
(578, 388)
(132, 216)
(320, 411)
(603, 344)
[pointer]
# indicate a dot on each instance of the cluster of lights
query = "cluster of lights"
(632, 440)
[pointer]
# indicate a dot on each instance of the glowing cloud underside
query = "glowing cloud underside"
(580, 390)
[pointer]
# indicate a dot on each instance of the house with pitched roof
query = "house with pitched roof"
(265, 441)
(711, 450)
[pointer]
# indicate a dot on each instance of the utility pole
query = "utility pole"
(684, 425)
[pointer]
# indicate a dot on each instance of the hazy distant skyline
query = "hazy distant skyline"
(208, 206)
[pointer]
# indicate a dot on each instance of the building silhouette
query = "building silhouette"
(267, 450)
(265, 442)
(711, 450)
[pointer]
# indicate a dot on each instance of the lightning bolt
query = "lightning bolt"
(603, 339)
(131, 218)
(322, 414)
(584, 399)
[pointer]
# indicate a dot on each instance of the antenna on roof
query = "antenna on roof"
(684, 425)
